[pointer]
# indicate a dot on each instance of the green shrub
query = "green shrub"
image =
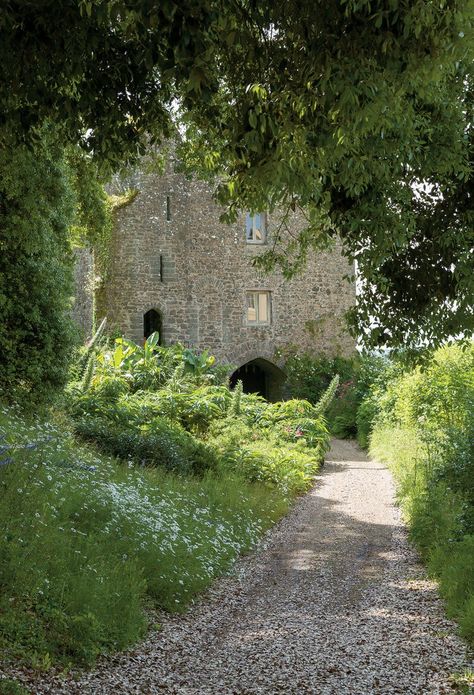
(289, 468)
(161, 437)
(310, 376)
(311, 432)
(285, 455)
(425, 430)
(12, 687)
(253, 407)
(287, 410)
(233, 431)
(365, 418)
(202, 406)
(36, 331)
(375, 397)
(161, 442)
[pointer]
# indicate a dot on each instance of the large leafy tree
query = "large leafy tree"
(358, 112)
(36, 210)
(48, 198)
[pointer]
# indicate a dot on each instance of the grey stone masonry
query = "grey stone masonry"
(196, 272)
(83, 307)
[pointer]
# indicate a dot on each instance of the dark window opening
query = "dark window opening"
(168, 208)
(260, 376)
(152, 323)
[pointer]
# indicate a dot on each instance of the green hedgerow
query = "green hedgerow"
(36, 331)
(423, 427)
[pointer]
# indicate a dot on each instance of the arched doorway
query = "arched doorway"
(152, 323)
(260, 376)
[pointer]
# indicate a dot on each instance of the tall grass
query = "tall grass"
(424, 429)
(84, 541)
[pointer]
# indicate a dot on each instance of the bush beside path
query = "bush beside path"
(333, 601)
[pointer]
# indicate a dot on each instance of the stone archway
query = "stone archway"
(260, 376)
(153, 323)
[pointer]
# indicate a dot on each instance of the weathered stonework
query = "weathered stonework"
(196, 271)
(83, 307)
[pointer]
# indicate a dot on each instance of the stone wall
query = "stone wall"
(196, 271)
(83, 307)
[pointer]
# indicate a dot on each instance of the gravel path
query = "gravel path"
(333, 602)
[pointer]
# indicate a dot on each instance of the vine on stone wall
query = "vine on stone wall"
(95, 212)
(101, 242)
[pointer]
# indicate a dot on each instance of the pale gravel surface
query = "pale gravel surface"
(334, 602)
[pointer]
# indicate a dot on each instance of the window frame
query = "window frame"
(258, 321)
(263, 217)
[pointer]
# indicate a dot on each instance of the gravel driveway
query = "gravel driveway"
(333, 602)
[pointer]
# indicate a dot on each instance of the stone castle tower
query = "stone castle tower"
(176, 269)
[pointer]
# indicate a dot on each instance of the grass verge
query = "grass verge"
(437, 513)
(86, 541)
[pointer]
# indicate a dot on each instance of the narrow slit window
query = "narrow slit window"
(258, 308)
(256, 228)
(168, 208)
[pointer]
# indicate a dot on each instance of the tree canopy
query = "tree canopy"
(49, 197)
(357, 112)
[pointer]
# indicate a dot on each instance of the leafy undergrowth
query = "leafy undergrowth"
(9, 686)
(168, 407)
(308, 375)
(84, 541)
(425, 431)
(87, 540)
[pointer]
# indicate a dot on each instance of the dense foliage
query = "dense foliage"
(309, 375)
(357, 112)
(87, 541)
(169, 407)
(51, 199)
(423, 427)
(36, 211)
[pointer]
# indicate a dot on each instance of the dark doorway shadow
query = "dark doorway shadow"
(152, 323)
(260, 376)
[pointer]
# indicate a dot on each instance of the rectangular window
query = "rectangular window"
(258, 307)
(168, 208)
(256, 228)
